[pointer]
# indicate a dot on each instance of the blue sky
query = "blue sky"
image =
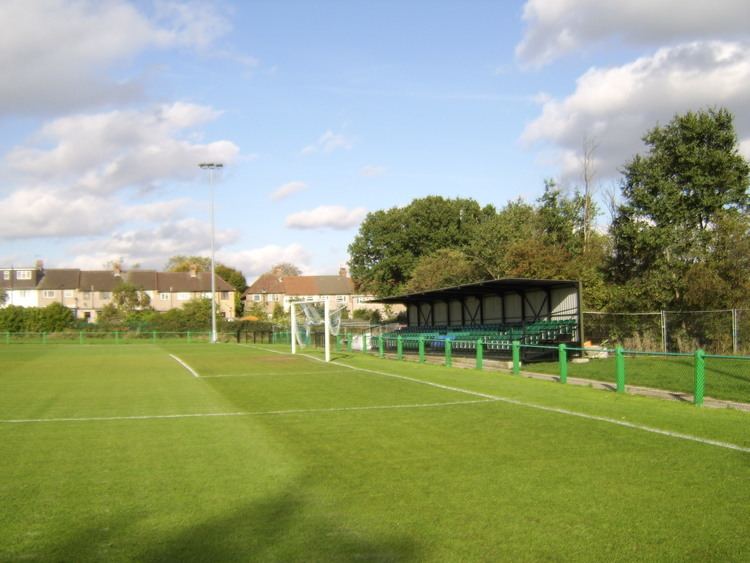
(323, 111)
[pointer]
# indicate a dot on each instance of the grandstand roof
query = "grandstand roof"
(489, 287)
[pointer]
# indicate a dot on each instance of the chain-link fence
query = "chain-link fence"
(717, 332)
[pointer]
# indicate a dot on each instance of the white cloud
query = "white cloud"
(152, 247)
(616, 106)
(373, 171)
(329, 142)
(326, 217)
(75, 181)
(557, 28)
(256, 261)
(40, 212)
(59, 55)
(109, 151)
(287, 189)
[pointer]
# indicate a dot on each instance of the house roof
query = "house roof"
(318, 285)
(60, 279)
(186, 282)
(108, 280)
(15, 283)
(267, 283)
(302, 285)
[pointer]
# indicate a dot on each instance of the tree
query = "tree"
(258, 311)
(443, 268)
(491, 239)
(128, 298)
(185, 263)
(673, 201)
(278, 315)
(389, 243)
(284, 269)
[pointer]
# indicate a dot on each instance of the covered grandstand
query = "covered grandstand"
(495, 312)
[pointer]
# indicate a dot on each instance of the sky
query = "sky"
(324, 110)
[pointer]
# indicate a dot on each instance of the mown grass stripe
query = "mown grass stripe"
(567, 412)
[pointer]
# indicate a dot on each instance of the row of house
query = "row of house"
(86, 292)
(272, 289)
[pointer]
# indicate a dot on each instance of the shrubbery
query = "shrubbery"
(52, 318)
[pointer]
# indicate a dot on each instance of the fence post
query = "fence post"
(480, 354)
(153, 336)
(189, 337)
(563, 357)
(117, 337)
(7, 337)
(620, 369)
(421, 349)
(381, 346)
(448, 353)
(399, 348)
(516, 351)
(80, 337)
(364, 343)
(349, 342)
(44, 338)
(700, 376)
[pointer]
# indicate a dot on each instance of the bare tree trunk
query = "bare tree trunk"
(589, 173)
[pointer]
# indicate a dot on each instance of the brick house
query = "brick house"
(88, 291)
(269, 289)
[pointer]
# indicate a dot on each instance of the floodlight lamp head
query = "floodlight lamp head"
(211, 165)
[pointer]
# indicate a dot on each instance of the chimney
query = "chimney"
(117, 269)
(193, 270)
(342, 272)
(40, 265)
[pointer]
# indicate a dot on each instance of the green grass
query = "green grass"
(332, 464)
(725, 378)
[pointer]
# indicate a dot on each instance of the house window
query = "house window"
(275, 297)
(68, 293)
(256, 298)
(49, 293)
(23, 275)
(183, 296)
(341, 299)
(163, 296)
(225, 295)
(6, 275)
(104, 295)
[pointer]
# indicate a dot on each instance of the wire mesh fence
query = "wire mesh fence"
(717, 332)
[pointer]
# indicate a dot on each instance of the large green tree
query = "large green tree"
(389, 244)
(674, 211)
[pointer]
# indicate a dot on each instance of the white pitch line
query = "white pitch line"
(274, 374)
(183, 364)
(632, 425)
(249, 413)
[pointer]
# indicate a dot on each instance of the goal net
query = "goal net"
(313, 321)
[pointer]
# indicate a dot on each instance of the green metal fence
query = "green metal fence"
(689, 376)
(110, 337)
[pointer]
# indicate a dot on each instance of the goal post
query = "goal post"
(326, 324)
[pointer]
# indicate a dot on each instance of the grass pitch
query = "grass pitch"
(121, 453)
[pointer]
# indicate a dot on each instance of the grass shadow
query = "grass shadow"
(279, 528)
